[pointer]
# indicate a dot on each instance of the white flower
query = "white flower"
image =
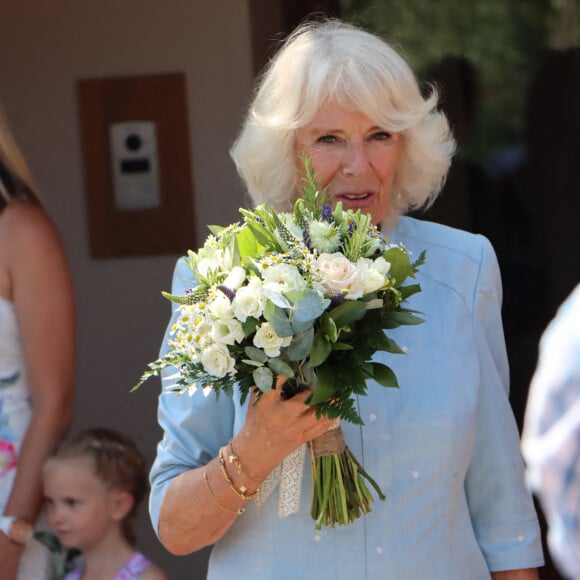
(283, 278)
(227, 331)
(267, 339)
(382, 266)
(248, 301)
(216, 360)
(324, 236)
(235, 278)
(220, 306)
(339, 276)
(371, 278)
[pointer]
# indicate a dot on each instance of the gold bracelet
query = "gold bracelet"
(233, 458)
(242, 492)
(227, 509)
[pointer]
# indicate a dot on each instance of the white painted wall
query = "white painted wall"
(45, 47)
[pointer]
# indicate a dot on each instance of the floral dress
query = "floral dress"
(15, 414)
(131, 569)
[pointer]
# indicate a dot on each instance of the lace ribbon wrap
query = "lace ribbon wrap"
(288, 475)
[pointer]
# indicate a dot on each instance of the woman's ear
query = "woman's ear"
(121, 504)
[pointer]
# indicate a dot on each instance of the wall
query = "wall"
(44, 48)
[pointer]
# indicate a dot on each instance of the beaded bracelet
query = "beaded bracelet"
(233, 458)
(242, 492)
(227, 509)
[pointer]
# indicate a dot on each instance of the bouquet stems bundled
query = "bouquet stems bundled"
(339, 492)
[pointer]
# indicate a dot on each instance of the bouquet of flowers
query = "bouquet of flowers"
(308, 295)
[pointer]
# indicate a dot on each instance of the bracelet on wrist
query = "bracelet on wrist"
(242, 492)
(235, 460)
(17, 530)
(211, 493)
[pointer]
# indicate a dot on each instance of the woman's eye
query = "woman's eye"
(381, 136)
(326, 139)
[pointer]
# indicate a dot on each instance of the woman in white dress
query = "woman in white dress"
(37, 351)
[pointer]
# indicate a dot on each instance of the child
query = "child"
(93, 484)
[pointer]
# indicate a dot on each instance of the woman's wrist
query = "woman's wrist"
(17, 530)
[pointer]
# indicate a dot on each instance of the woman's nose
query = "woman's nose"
(355, 160)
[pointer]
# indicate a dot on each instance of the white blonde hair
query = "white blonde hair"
(332, 60)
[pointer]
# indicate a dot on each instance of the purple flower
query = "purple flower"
(327, 213)
(228, 292)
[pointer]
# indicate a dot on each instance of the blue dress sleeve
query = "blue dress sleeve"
(194, 427)
(501, 507)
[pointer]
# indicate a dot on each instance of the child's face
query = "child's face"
(80, 508)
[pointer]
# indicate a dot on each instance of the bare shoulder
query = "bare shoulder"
(27, 229)
(23, 220)
(153, 572)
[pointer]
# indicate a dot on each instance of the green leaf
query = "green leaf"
(400, 264)
(280, 367)
(400, 318)
(301, 345)
(263, 379)
(250, 325)
(320, 350)
(328, 327)
(347, 312)
(323, 388)
(278, 318)
(256, 354)
(342, 346)
(384, 376)
(307, 304)
(408, 291)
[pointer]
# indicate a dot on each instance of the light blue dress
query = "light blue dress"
(444, 447)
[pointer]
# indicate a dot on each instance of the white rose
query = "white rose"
(371, 279)
(220, 306)
(235, 278)
(382, 266)
(283, 278)
(267, 339)
(248, 301)
(339, 276)
(216, 360)
(227, 331)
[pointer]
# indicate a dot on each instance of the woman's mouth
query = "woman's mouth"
(356, 199)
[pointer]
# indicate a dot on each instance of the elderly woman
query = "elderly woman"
(445, 446)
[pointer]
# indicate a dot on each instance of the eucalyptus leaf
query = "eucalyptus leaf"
(263, 379)
(300, 345)
(256, 354)
(280, 367)
(278, 318)
(307, 304)
(277, 298)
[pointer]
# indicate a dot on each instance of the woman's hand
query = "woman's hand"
(10, 554)
(274, 427)
(200, 506)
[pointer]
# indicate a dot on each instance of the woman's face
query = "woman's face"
(353, 157)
